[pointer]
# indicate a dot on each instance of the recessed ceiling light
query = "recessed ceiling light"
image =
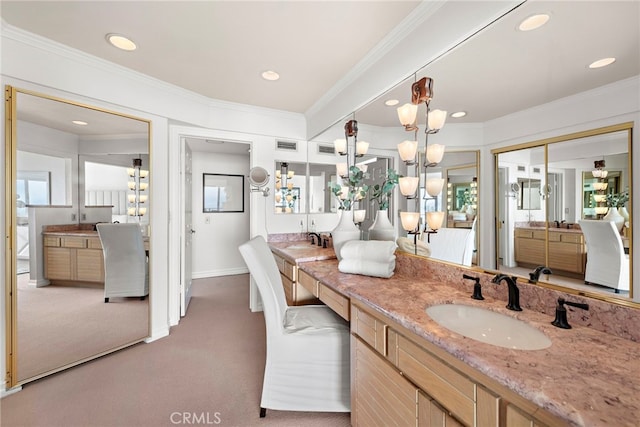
(121, 42)
(391, 102)
(533, 22)
(602, 62)
(79, 123)
(459, 114)
(270, 75)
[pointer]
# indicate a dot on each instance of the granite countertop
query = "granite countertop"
(586, 377)
(551, 229)
(79, 233)
(298, 251)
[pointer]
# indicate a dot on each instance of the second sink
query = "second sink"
(488, 326)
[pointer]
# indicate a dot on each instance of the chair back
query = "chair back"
(125, 260)
(453, 245)
(265, 273)
(606, 261)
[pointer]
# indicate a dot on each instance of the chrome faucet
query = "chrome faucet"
(514, 292)
(312, 235)
(535, 274)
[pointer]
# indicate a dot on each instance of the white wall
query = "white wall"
(219, 234)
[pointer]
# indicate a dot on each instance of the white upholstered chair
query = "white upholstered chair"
(607, 264)
(307, 366)
(126, 270)
(455, 245)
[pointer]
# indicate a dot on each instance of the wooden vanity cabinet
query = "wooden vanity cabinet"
(400, 379)
(73, 258)
(294, 291)
(567, 251)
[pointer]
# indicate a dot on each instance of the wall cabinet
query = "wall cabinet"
(567, 251)
(73, 258)
(399, 380)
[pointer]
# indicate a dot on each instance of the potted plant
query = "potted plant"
(382, 229)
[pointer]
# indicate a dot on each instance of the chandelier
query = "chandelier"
(430, 156)
(137, 184)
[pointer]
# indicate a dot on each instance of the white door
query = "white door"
(187, 234)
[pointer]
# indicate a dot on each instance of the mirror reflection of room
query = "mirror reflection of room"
(290, 187)
(542, 216)
(65, 185)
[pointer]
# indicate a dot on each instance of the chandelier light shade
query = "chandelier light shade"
(599, 198)
(601, 210)
(407, 115)
(361, 148)
(434, 220)
(409, 220)
(408, 185)
(408, 150)
(342, 169)
(434, 186)
(344, 192)
(435, 153)
(600, 186)
(437, 119)
(359, 215)
(340, 146)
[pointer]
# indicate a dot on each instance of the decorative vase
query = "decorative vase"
(382, 229)
(624, 212)
(345, 230)
(615, 217)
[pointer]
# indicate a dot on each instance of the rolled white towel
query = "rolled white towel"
(369, 250)
(368, 268)
(405, 244)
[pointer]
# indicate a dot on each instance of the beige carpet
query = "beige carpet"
(208, 369)
(59, 325)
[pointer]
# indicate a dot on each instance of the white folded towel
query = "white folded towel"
(405, 244)
(369, 250)
(368, 268)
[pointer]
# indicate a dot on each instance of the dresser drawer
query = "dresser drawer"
(74, 242)
(289, 270)
(335, 301)
(52, 241)
(308, 282)
(453, 390)
(94, 243)
(369, 329)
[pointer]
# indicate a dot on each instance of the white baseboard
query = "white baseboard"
(218, 273)
(4, 392)
(158, 333)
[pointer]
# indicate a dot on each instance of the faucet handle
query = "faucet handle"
(477, 288)
(561, 312)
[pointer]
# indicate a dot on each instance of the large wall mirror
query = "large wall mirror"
(546, 219)
(69, 167)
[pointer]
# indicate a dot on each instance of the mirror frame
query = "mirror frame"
(11, 293)
(626, 126)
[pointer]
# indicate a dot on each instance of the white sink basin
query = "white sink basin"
(488, 326)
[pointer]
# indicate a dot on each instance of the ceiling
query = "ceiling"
(219, 49)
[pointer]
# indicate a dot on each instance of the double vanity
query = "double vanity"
(409, 369)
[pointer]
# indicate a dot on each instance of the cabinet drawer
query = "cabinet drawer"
(279, 262)
(369, 329)
(335, 301)
(308, 282)
(74, 242)
(288, 289)
(52, 241)
(94, 243)
(454, 391)
(289, 270)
